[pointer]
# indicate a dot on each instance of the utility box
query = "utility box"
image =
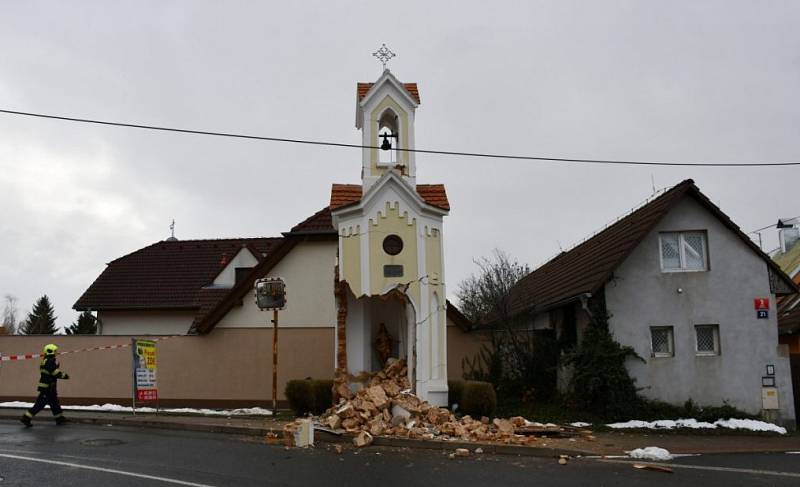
(769, 398)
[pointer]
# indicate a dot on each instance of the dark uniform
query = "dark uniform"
(48, 392)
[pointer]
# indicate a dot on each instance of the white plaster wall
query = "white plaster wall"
(227, 278)
(308, 270)
(357, 335)
(641, 296)
(145, 322)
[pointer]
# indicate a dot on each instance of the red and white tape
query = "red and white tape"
(31, 356)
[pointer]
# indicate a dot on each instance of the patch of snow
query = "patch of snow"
(747, 424)
(580, 424)
(650, 453)
(116, 408)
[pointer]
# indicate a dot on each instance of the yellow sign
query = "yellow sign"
(144, 370)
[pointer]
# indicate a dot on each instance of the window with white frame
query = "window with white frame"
(661, 341)
(707, 339)
(683, 251)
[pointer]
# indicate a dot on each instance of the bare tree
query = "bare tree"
(483, 297)
(10, 314)
(519, 360)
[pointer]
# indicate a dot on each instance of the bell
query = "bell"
(386, 145)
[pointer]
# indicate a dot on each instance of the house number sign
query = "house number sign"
(762, 308)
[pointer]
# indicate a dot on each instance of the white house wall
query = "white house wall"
(308, 271)
(640, 296)
(145, 322)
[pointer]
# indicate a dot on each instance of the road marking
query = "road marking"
(714, 469)
(106, 470)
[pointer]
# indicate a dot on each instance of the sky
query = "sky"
(687, 81)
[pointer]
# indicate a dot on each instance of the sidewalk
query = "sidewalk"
(604, 443)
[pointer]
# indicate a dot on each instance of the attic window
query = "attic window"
(683, 251)
(241, 273)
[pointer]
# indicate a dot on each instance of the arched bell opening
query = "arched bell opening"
(388, 137)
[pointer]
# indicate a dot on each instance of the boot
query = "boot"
(26, 421)
(61, 420)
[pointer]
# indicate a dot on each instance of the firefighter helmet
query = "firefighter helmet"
(50, 349)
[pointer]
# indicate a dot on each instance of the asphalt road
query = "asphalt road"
(78, 454)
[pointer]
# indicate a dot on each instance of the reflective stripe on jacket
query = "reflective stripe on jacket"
(49, 373)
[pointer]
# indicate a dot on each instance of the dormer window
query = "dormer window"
(683, 251)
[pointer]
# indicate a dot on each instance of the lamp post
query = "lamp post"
(271, 294)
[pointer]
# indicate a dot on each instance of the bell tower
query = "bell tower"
(391, 254)
(385, 113)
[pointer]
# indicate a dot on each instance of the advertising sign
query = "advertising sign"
(144, 370)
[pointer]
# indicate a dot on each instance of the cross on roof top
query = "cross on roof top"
(384, 55)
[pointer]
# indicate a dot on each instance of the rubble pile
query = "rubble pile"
(385, 406)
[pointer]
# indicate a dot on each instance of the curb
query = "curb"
(324, 437)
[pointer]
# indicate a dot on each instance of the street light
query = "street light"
(271, 294)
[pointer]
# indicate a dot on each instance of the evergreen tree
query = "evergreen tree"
(40, 320)
(86, 325)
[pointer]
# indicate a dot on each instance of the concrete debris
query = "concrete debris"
(299, 433)
(562, 461)
(479, 451)
(461, 452)
(363, 439)
(384, 406)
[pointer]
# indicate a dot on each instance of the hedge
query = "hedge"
(309, 396)
(475, 398)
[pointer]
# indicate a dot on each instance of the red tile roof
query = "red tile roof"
(344, 194)
(165, 275)
(587, 267)
(318, 223)
(348, 194)
(363, 88)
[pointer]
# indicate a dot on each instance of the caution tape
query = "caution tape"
(31, 356)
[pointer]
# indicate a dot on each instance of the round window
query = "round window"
(393, 245)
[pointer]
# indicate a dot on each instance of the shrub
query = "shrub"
(300, 395)
(600, 380)
(455, 388)
(478, 399)
(309, 396)
(323, 395)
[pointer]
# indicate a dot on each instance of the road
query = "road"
(78, 454)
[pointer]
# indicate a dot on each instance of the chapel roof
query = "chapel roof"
(363, 88)
(348, 194)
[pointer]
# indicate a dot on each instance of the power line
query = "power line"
(421, 151)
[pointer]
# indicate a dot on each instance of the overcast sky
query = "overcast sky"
(694, 81)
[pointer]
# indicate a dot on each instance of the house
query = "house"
(688, 290)
(788, 258)
(371, 259)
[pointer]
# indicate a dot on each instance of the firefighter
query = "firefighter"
(48, 394)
